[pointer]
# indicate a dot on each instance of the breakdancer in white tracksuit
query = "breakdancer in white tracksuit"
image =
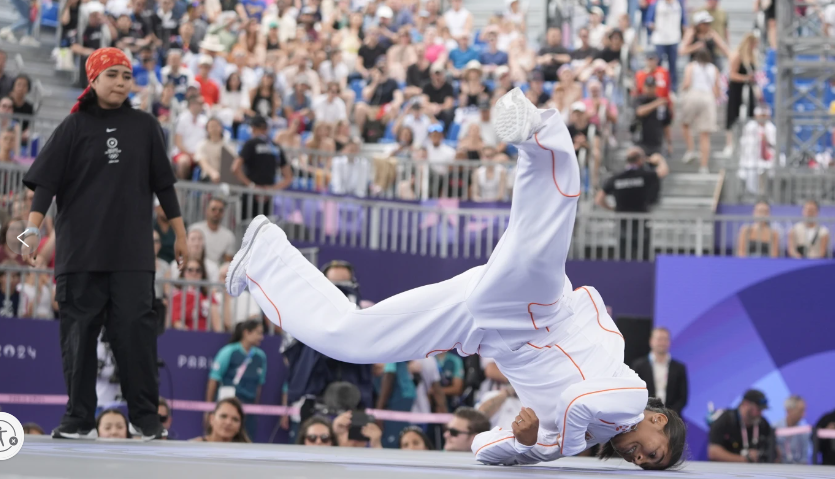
(559, 349)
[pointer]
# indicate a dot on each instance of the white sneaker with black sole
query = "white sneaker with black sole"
(236, 277)
(160, 433)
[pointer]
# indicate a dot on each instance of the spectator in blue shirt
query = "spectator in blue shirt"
(240, 368)
(254, 9)
(459, 57)
(395, 392)
(146, 72)
(491, 57)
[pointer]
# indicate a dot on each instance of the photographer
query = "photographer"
(310, 372)
(741, 434)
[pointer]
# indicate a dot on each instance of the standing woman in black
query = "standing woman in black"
(742, 69)
(104, 163)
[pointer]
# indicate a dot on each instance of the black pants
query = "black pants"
(634, 240)
(254, 205)
(122, 302)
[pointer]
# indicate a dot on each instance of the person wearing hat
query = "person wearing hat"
(104, 163)
(720, 19)
(472, 85)
(553, 55)
(742, 434)
(385, 25)
(255, 167)
(461, 56)
(702, 35)
(95, 35)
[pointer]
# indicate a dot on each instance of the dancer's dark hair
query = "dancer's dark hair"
(675, 430)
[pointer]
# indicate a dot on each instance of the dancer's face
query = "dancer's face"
(647, 446)
(113, 85)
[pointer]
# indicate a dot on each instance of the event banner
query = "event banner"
(30, 363)
(740, 323)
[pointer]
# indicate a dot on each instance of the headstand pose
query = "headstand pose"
(559, 349)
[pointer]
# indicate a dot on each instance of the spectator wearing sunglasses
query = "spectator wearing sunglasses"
(462, 429)
(165, 417)
(316, 431)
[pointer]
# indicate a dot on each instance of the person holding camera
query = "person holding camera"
(357, 429)
(741, 434)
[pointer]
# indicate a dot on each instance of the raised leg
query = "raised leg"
(523, 282)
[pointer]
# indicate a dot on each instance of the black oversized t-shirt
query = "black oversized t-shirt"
(261, 159)
(438, 95)
(104, 167)
(549, 70)
(415, 76)
(726, 431)
(633, 189)
(652, 125)
(384, 93)
(370, 55)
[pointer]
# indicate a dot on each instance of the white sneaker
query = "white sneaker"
(727, 152)
(703, 170)
(515, 118)
(236, 277)
(8, 35)
(690, 156)
(28, 41)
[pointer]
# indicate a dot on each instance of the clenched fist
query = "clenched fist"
(526, 427)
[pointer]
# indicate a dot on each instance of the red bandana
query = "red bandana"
(99, 61)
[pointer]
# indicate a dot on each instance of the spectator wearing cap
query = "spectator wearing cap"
(552, 55)
(809, 239)
(461, 56)
(369, 53)
(255, 167)
(597, 30)
(492, 57)
(797, 448)
(656, 71)
(580, 130)
(653, 118)
(634, 190)
(189, 132)
(720, 19)
(175, 72)
(417, 121)
(383, 98)
(666, 19)
(702, 36)
(741, 434)
(536, 93)
(385, 25)
(438, 153)
(458, 19)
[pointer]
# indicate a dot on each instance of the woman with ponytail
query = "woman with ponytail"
(104, 163)
(240, 368)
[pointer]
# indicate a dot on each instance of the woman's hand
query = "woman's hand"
(526, 427)
(373, 432)
(342, 423)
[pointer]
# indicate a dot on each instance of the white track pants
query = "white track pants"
(514, 295)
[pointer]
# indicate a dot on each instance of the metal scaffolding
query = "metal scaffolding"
(805, 79)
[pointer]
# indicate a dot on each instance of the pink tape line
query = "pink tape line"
(260, 409)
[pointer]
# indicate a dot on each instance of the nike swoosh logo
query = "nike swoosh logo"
(110, 130)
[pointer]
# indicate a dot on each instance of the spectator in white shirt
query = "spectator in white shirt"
(458, 19)
(438, 153)
(220, 242)
(350, 174)
(597, 30)
(330, 107)
(666, 18)
(188, 135)
(808, 239)
(428, 387)
(417, 121)
(758, 154)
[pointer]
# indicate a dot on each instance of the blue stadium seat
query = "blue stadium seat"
(49, 16)
(244, 133)
(195, 175)
(453, 132)
(357, 86)
(389, 133)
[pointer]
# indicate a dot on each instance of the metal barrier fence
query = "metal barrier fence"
(184, 304)
(779, 185)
